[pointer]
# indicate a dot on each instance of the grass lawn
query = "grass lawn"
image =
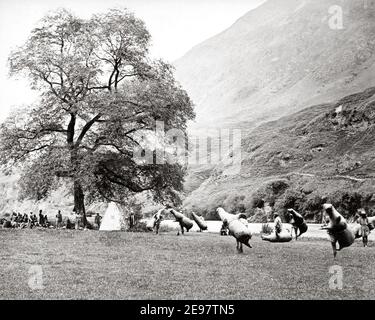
(120, 265)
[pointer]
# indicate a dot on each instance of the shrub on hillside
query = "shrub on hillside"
(254, 201)
(368, 201)
(347, 203)
(277, 187)
(257, 202)
(290, 199)
(235, 203)
(351, 202)
(268, 193)
(312, 207)
(258, 216)
(211, 214)
(313, 203)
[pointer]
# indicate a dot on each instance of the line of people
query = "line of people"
(31, 220)
(26, 220)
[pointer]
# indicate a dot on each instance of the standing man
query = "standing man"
(278, 224)
(131, 219)
(41, 218)
(46, 223)
(98, 220)
(31, 220)
(35, 220)
(59, 219)
(157, 220)
(365, 230)
(224, 229)
(13, 220)
(78, 220)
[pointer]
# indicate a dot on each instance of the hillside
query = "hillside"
(322, 153)
(278, 59)
(273, 62)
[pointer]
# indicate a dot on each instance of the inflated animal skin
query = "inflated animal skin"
(199, 221)
(237, 228)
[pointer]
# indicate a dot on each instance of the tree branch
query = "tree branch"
(86, 128)
(131, 185)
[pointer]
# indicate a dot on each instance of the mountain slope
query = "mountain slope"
(277, 59)
(324, 152)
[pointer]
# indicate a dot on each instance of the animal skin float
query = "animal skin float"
(184, 221)
(338, 229)
(199, 221)
(298, 223)
(236, 227)
(284, 236)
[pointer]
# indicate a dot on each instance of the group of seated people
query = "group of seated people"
(31, 220)
(17, 220)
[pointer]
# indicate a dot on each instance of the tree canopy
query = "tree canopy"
(99, 92)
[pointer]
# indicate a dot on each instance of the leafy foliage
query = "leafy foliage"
(100, 95)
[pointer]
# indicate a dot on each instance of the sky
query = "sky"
(175, 26)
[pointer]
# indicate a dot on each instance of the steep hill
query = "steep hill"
(278, 59)
(322, 153)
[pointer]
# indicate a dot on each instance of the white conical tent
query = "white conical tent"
(113, 219)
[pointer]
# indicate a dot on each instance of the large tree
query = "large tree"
(99, 92)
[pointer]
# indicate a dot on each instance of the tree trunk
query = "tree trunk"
(79, 201)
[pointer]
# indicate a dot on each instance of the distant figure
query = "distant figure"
(31, 221)
(78, 220)
(224, 229)
(131, 220)
(364, 223)
(13, 220)
(278, 224)
(7, 224)
(41, 218)
(158, 217)
(98, 220)
(59, 220)
(24, 221)
(34, 219)
(46, 223)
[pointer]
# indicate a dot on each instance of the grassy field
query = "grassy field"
(120, 265)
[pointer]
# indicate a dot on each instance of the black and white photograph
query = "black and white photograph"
(187, 150)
